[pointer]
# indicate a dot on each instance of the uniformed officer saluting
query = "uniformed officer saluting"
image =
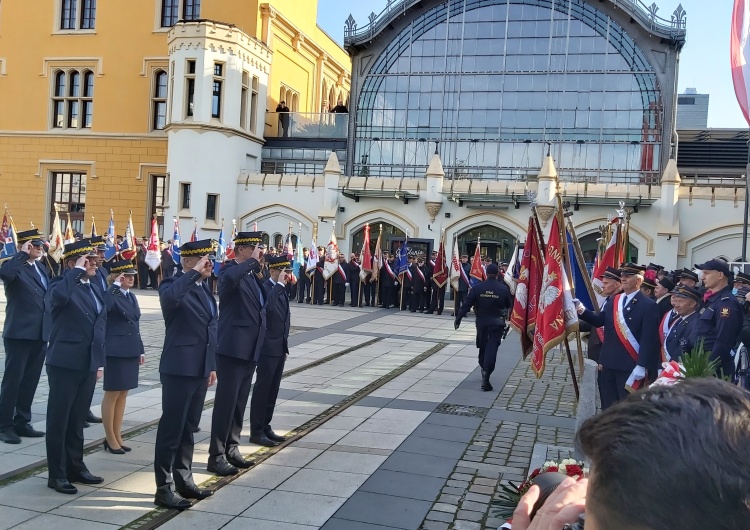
(77, 315)
(273, 354)
(491, 300)
(25, 281)
(720, 321)
(681, 336)
(242, 325)
(186, 370)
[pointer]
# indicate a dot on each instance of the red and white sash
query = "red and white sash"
(624, 334)
(342, 273)
(664, 329)
(388, 269)
(421, 274)
(408, 273)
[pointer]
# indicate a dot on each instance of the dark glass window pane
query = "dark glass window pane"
(88, 16)
(88, 114)
(218, 69)
(60, 84)
(59, 114)
(185, 196)
(161, 85)
(73, 114)
(160, 115)
(88, 86)
(75, 84)
(216, 100)
(211, 201)
(68, 14)
(190, 96)
(169, 12)
(191, 67)
(191, 10)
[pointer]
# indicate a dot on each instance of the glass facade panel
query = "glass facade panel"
(491, 78)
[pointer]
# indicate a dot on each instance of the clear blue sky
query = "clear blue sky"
(704, 63)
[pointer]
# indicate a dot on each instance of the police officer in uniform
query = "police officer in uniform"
(663, 291)
(418, 286)
(100, 281)
(77, 315)
(273, 354)
(721, 319)
(491, 300)
(187, 369)
(242, 325)
(681, 338)
(304, 281)
(25, 340)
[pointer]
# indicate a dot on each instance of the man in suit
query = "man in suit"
(187, 369)
(491, 299)
(681, 335)
(369, 286)
(318, 281)
(26, 282)
(610, 287)
(242, 326)
(463, 286)
(339, 282)
(631, 340)
(418, 285)
(429, 269)
(304, 281)
(76, 312)
(388, 283)
(273, 355)
(354, 269)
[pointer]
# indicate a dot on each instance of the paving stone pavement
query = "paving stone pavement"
(395, 434)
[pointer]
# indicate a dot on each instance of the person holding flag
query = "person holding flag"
(491, 301)
(110, 240)
(404, 275)
(462, 282)
(418, 285)
(319, 280)
(389, 282)
(440, 281)
(354, 270)
(8, 236)
(365, 273)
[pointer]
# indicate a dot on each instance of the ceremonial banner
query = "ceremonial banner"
(523, 316)
(194, 235)
(221, 251)
(176, 243)
(153, 256)
(70, 237)
(514, 267)
(440, 271)
(127, 249)
(477, 271)
(580, 278)
(93, 227)
(366, 255)
(457, 271)
(56, 241)
(377, 257)
(739, 54)
(8, 235)
(110, 241)
(610, 258)
(299, 265)
(331, 266)
(312, 258)
(556, 315)
(402, 262)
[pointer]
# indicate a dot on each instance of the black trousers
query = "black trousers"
(23, 366)
(418, 300)
(458, 300)
(339, 293)
(612, 386)
(488, 341)
(235, 376)
(368, 292)
(70, 393)
(142, 274)
(265, 392)
(319, 290)
(181, 406)
(354, 291)
(405, 299)
(438, 300)
(303, 288)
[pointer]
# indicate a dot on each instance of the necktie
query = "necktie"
(42, 277)
(97, 303)
(708, 294)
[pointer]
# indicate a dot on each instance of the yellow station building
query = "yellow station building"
(85, 97)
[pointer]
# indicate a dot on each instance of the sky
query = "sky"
(704, 62)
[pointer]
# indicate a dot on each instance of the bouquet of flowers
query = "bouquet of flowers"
(510, 495)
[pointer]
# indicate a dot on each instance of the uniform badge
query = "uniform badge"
(724, 312)
(702, 310)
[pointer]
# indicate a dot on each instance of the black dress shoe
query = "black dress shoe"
(9, 436)
(169, 499)
(486, 386)
(86, 425)
(221, 467)
(90, 418)
(85, 477)
(194, 492)
(275, 437)
(27, 431)
(61, 485)
(239, 462)
(262, 439)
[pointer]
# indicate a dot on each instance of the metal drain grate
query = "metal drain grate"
(462, 410)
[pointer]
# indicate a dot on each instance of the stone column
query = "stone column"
(667, 241)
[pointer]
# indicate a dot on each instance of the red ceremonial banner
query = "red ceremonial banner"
(440, 271)
(523, 316)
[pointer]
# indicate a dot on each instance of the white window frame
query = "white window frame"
(222, 89)
(78, 29)
(187, 112)
(156, 100)
(81, 100)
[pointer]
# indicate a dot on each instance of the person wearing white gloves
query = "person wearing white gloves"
(631, 338)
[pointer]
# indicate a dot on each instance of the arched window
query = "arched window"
(278, 240)
(159, 101)
(73, 99)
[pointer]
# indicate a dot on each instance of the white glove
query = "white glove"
(395, 283)
(346, 285)
(639, 372)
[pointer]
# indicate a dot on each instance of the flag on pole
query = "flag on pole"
(110, 241)
(153, 256)
(377, 261)
(514, 267)
(176, 243)
(402, 262)
(477, 273)
(609, 258)
(440, 271)
(299, 266)
(221, 251)
(312, 258)
(457, 272)
(127, 249)
(740, 53)
(230, 243)
(523, 316)
(578, 273)
(331, 266)
(56, 241)
(8, 235)
(194, 235)
(93, 227)
(70, 237)
(366, 255)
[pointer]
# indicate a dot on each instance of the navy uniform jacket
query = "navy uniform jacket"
(123, 332)
(386, 279)
(354, 270)
(191, 319)
(462, 285)
(101, 279)
(665, 305)
(337, 279)
(642, 317)
(242, 322)
(719, 325)
(681, 337)
(24, 292)
(279, 319)
(417, 283)
(77, 331)
(319, 267)
(491, 300)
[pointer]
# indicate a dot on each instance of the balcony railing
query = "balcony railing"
(306, 124)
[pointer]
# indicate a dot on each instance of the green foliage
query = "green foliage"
(698, 362)
(508, 498)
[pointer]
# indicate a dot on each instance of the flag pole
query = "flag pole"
(566, 271)
(380, 265)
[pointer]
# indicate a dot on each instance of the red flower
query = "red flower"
(535, 472)
(573, 470)
(552, 469)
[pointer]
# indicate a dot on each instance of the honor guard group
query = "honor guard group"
(84, 322)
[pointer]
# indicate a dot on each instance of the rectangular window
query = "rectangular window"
(158, 201)
(190, 88)
(254, 105)
(169, 12)
(212, 203)
(185, 195)
(88, 14)
(191, 10)
(69, 196)
(77, 14)
(68, 14)
(243, 99)
(73, 99)
(159, 101)
(217, 87)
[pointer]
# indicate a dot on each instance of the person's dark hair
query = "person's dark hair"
(671, 457)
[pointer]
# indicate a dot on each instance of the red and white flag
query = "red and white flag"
(377, 258)
(524, 314)
(331, 266)
(439, 270)
(153, 256)
(740, 54)
(456, 271)
(477, 270)
(610, 258)
(56, 241)
(366, 258)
